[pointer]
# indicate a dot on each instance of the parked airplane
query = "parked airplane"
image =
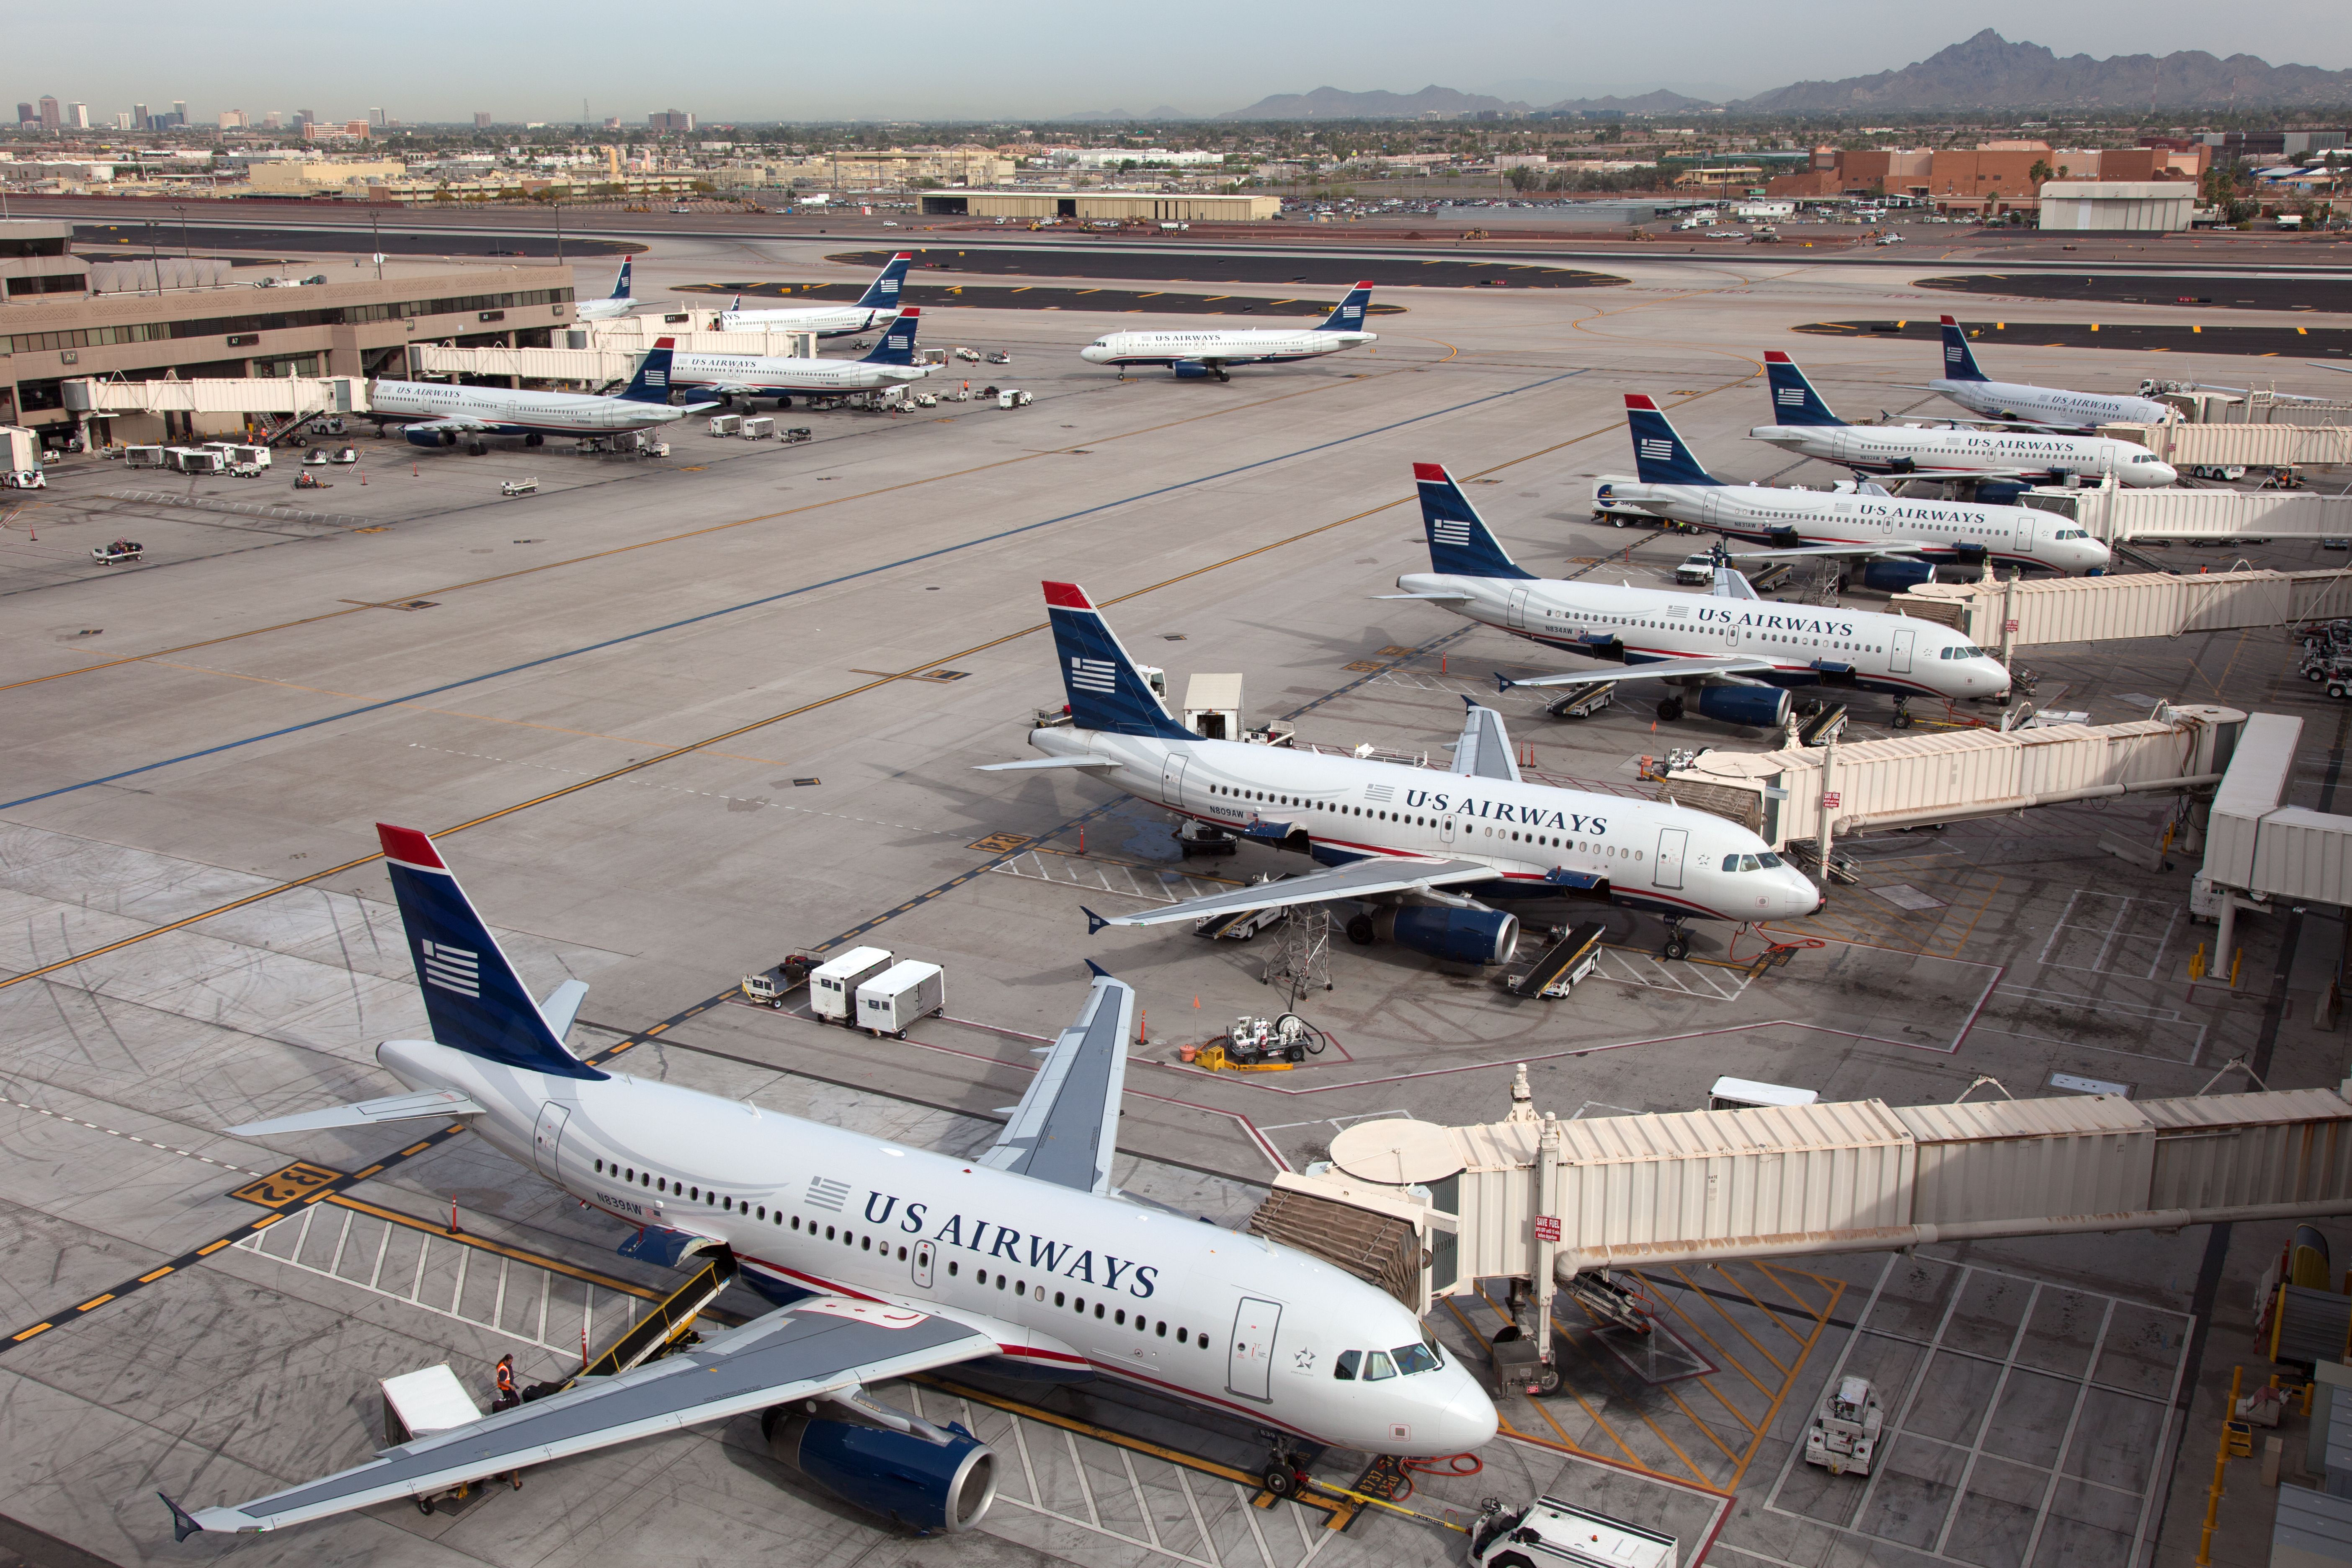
(891, 362)
(434, 414)
(1408, 842)
(618, 304)
(1805, 426)
(884, 1261)
(1733, 653)
(1862, 520)
(874, 308)
(1211, 353)
(2048, 407)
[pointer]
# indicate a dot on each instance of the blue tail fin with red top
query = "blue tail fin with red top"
(1794, 401)
(898, 345)
(476, 1002)
(1460, 543)
(1660, 457)
(1349, 317)
(1960, 360)
(651, 384)
(1106, 691)
(882, 294)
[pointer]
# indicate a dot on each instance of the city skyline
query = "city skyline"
(1051, 58)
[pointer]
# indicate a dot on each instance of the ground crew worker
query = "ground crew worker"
(507, 1398)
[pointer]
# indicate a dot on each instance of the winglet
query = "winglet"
(183, 1523)
(1100, 973)
(1502, 683)
(1094, 922)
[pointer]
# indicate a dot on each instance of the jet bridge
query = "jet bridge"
(2259, 851)
(2010, 614)
(1813, 794)
(1534, 1198)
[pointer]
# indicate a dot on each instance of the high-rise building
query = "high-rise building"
(27, 115)
(122, 120)
(481, 120)
(139, 119)
(671, 120)
(232, 120)
(274, 120)
(78, 116)
(357, 128)
(51, 118)
(305, 117)
(179, 110)
(375, 118)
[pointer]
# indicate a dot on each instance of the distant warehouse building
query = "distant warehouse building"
(1086, 206)
(2137, 205)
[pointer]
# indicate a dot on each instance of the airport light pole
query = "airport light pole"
(186, 251)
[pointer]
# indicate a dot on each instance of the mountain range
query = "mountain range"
(1986, 71)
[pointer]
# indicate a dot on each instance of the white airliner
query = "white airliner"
(1904, 536)
(759, 376)
(434, 414)
(1195, 352)
(1805, 426)
(2050, 407)
(1408, 842)
(1739, 652)
(618, 304)
(883, 1262)
(877, 306)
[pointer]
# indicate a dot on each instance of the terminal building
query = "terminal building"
(55, 328)
(1099, 206)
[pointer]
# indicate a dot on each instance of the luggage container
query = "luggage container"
(902, 993)
(760, 430)
(726, 425)
(1747, 1094)
(19, 448)
(832, 987)
(193, 460)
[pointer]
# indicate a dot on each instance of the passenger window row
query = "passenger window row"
(1115, 1317)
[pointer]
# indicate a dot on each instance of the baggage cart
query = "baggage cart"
(833, 986)
(902, 993)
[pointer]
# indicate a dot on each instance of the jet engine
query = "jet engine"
(904, 1477)
(1189, 370)
(1441, 930)
(1893, 576)
(1762, 707)
(431, 438)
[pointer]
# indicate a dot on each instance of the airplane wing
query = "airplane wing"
(2343, 369)
(1884, 547)
(1657, 669)
(454, 422)
(2071, 427)
(1364, 880)
(1448, 598)
(1484, 752)
(368, 1113)
(1039, 764)
(809, 1349)
(1065, 1128)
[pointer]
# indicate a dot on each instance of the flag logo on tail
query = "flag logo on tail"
(1097, 675)
(451, 968)
(1450, 531)
(1789, 396)
(1656, 450)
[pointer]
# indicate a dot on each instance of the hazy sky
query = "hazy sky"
(824, 59)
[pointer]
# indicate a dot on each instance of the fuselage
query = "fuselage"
(498, 410)
(610, 309)
(833, 322)
(766, 375)
(1067, 1283)
(1910, 448)
(1806, 645)
(1944, 531)
(1641, 854)
(2051, 404)
(1254, 347)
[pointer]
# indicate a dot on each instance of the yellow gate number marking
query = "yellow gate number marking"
(279, 1188)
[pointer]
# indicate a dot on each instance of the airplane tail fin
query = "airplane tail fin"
(1794, 401)
(1659, 456)
(651, 384)
(1350, 315)
(898, 345)
(621, 284)
(1459, 544)
(882, 294)
(1106, 690)
(472, 996)
(1960, 360)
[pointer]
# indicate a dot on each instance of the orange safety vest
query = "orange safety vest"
(506, 1378)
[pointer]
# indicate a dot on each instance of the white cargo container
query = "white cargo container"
(763, 428)
(832, 987)
(142, 457)
(726, 425)
(902, 993)
(19, 449)
(193, 460)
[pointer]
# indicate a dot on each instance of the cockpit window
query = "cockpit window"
(1963, 650)
(1377, 1366)
(1763, 862)
(1344, 1369)
(1411, 1358)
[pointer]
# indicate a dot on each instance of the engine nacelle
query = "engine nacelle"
(1762, 707)
(1458, 936)
(1893, 576)
(1189, 370)
(430, 437)
(914, 1483)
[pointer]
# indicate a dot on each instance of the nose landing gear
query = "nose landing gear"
(1677, 941)
(1902, 718)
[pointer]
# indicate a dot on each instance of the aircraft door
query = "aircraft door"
(1250, 1364)
(925, 1255)
(2026, 530)
(1899, 652)
(1668, 870)
(549, 1139)
(1446, 828)
(1518, 616)
(1172, 779)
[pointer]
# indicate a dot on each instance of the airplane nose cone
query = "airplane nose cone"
(1803, 897)
(1468, 1421)
(2150, 475)
(1093, 355)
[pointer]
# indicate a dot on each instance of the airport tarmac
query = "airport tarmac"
(676, 719)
